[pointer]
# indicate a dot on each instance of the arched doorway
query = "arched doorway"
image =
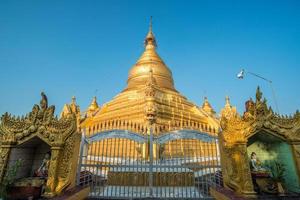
(30, 154)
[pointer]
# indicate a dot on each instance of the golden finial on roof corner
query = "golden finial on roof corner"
(258, 94)
(206, 103)
(228, 109)
(227, 101)
(75, 108)
(207, 107)
(68, 109)
(73, 99)
(94, 104)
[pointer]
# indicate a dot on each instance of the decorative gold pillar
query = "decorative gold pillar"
(7, 142)
(238, 175)
(296, 154)
(233, 151)
(52, 172)
(4, 154)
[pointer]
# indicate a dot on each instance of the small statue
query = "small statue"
(250, 106)
(255, 163)
(259, 175)
(42, 171)
(250, 110)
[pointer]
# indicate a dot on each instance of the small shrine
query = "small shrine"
(260, 151)
(44, 148)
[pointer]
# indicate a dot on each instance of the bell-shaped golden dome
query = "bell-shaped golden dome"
(150, 60)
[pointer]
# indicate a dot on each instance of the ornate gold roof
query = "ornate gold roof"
(237, 136)
(40, 122)
(150, 76)
(257, 117)
(59, 134)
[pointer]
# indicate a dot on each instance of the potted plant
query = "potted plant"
(278, 172)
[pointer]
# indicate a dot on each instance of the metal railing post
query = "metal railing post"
(82, 143)
(151, 162)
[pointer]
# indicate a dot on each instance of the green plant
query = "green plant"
(278, 172)
(9, 178)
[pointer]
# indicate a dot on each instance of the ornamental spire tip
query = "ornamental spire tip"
(150, 39)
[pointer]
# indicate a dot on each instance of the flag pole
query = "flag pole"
(242, 74)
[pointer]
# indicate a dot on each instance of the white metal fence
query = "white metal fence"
(120, 164)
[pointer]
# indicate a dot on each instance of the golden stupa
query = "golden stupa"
(126, 111)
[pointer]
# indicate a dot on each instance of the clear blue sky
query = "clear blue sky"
(68, 48)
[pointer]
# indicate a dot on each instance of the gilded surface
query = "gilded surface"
(150, 60)
(236, 130)
(60, 134)
(150, 97)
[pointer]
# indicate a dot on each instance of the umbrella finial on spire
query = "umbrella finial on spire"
(150, 41)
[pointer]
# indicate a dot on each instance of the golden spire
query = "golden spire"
(207, 107)
(206, 103)
(73, 100)
(94, 105)
(227, 101)
(74, 107)
(150, 60)
(150, 41)
(228, 110)
(68, 109)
